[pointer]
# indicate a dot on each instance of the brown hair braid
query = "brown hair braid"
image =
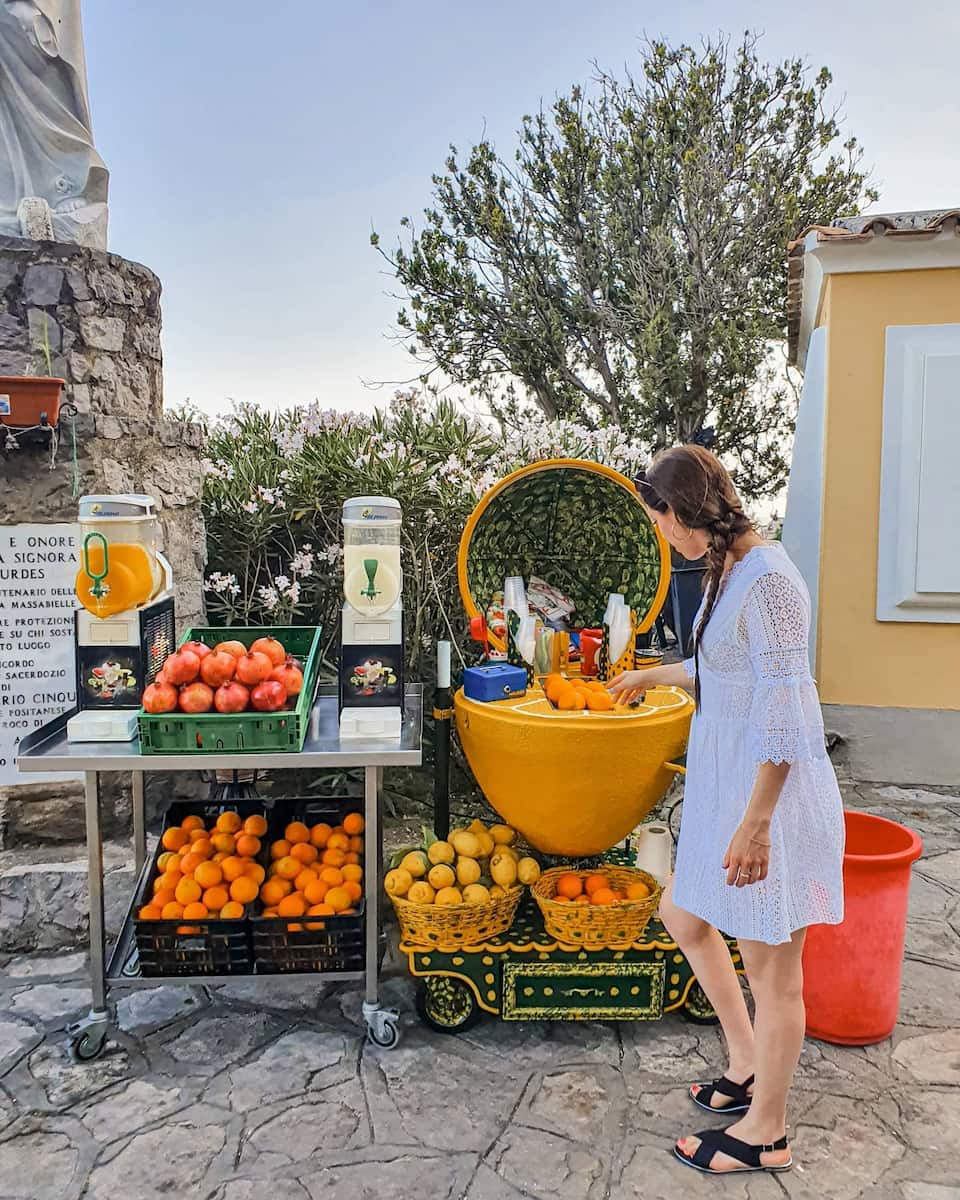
(697, 486)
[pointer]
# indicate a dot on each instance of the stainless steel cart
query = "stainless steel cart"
(47, 749)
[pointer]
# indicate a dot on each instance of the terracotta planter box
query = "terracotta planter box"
(24, 399)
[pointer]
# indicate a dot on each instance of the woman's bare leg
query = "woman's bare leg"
(708, 955)
(776, 981)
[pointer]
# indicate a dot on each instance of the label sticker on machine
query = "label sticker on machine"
(4, 406)
(372, 675)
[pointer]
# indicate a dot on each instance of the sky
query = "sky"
(253, 145)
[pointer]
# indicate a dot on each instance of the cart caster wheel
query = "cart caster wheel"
(447, 1005)
(697, 1008)
(383, 1028)
(87, 1046)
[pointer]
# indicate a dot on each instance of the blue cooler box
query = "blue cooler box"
(498, 681)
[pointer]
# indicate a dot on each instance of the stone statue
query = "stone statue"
(46, 143)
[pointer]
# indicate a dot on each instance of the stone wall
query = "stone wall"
(102, 316)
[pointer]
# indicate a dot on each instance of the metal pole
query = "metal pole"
(442, 715)
(98, 982)
(373, 859)
(139, 823)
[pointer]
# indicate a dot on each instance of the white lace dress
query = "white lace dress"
(759, 704)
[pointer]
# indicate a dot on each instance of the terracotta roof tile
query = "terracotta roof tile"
(851, 230)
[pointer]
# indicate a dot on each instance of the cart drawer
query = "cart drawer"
(582, 991)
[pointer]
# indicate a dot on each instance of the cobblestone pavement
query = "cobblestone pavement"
(214, 1094)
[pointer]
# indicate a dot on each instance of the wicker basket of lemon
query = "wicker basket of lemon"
(460, 891)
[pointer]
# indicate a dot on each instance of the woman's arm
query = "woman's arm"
(632, 684)
(748, 855)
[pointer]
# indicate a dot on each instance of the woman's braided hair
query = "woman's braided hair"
(697, 486)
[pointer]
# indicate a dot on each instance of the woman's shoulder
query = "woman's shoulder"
(769, 565)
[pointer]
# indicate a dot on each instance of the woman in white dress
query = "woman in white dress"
(761, 840)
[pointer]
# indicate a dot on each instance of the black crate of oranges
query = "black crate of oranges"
(313, 906)
(193, 911)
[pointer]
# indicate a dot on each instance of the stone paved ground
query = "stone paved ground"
(213, 1094)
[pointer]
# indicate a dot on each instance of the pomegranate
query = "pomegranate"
(253, 668)
(196, 698)
(290, 675)
(271, 648)
(181, 667)
(268, 696)
(160, 698)
(218, 668)
(198, 648)
(160, 677)
(231, 698)
(237, 649)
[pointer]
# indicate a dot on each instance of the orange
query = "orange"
(319, 834)
(569, 886)
(243, 890)
(333, 858)
(567, 700)
(603, 896)
(305, 853)
(316, 892)
(256, 826)
(338, 841)
(356, 845)
(354, 890)
(188, 890)
(224, 843)
(198, 835)
(595, 883)
(151, 912)
(158, 883)
(203, 847)
(172, 911)
(188, 824)
(229, 822)
(289, 868)
(351, 871)
(583, 898)
(562, 899)
(295, 927)
(273, 891)
(338, 899)
(579, 701)
(296, 831)
(293, 905)
(215, 898)
(306, 876)
(196, 912)
(188, 929)
(353, 824)
(320, 910)
(208, 875)
(218, 858)
(352, 859)
(248, 846)
(231, 911)
(269, 912)
(331, 876)
(637, 891)
(175, 838)
(190, 862)
(164, 896)
(279, 849)
(233, 868)
(171, 879)
(256, 872)
(599, 703)
(165, 859)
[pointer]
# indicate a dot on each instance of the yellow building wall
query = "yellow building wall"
(860, 660)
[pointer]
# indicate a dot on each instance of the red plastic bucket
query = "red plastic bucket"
(851, 971)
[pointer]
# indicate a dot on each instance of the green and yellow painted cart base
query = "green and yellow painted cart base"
(526, 975)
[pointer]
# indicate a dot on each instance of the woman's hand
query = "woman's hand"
(630, 686)
(748, 856)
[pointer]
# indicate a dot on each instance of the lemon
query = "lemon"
(475, 893)
(421, 893)
(397, 882)
(449, 895)
(465, 843)
(468, 870)
(528, 870)
(487, 844)
(441, 852)
(503, 868)
(417, 863)
(497, 891)
(503, 835)
(476, 826)
(441, 876)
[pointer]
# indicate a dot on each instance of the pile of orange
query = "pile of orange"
(205, 872)
(596, 889)
(315, 871)
(575, 695)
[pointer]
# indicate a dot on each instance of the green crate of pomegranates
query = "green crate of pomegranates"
(230, 690)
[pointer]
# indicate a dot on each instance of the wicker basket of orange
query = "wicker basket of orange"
(607, 907)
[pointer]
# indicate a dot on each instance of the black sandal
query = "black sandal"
(736, 1092)
(712, 1140)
